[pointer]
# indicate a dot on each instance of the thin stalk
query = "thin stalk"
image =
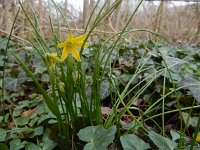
(126, 109)
(120, 35)
(177, 100)
(52, 80)
(95, 89)
(97, 21)
(149, 110)
(188, 119)
(171, 111)
(163, 106)
(86, 110)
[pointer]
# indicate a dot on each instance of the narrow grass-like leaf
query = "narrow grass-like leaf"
(50, 103)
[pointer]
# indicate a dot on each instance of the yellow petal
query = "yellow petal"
(54, 57)
(79, 44)
(75, 54)
(70, 37)
(198, 137)
(64, 54)
(51, 58)
(86, 45)
(61, 44)
(79, 38)
(70, 44)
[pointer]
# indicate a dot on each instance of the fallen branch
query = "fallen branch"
(14, 37)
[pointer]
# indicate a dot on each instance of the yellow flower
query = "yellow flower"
(198, 137)
(70, 46)
(51, 58)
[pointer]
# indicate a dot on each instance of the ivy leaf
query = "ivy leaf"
(1, 119)
(17, 112)
(15, 132)
(191, 120)
(22, 121)
(3, 146)
(175, 135)
(97, 137)
(3, 134)
(48, 144)
(173, 63)
(191, 84)
(38, 131)
(105, 89)
(12, 84)
(132, 142)
(31, 146)
(40, 70)
(16, 144)
(162, 142)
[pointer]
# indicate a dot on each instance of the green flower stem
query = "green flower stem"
(52, 80)
(96, 100)
(70, 92)
(86, 110)
(163, 105)
(53, 107)
(50, 103)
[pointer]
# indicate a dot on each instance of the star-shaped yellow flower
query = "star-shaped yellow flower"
(70, 46)
(51, 58)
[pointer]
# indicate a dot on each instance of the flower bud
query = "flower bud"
(58, 74)
(51, 58)
(61, 87)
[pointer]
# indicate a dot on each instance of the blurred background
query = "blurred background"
(178, 21)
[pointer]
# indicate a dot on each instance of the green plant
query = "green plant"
(149, 73)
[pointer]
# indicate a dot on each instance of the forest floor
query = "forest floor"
(168, 114)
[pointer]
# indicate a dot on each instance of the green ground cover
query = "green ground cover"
(149, 96)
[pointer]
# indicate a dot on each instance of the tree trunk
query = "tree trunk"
(41, 13)
(125, 16)
(85, 12)
(28, 5)
(6, 21)
(159, 22)
(92, 5)
(106, 21)
(65, 8)
(117, 18)
(198, 26)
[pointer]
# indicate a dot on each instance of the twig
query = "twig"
(14, 36)
(79, 30)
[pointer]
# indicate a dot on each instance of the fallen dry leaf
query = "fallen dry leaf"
(29, 112)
